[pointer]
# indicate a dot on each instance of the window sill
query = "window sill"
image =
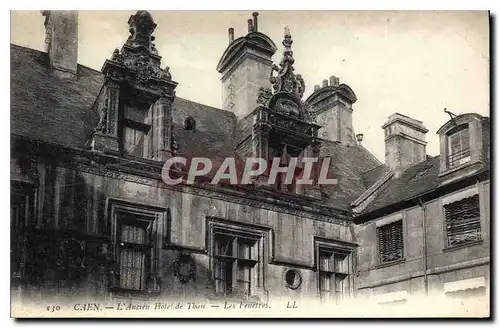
(388, 264)
(453, 169)
(465, 245)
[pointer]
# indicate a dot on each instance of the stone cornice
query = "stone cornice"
(147, 172)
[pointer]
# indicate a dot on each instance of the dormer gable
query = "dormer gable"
(462, 144)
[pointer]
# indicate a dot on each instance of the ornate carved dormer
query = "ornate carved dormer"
(136, 100)
(283, 125)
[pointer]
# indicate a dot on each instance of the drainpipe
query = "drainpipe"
(424, 242)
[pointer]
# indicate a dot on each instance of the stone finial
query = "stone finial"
(231, 34)
(316, 87)
(255, 23)
(325, 83)
(286, 80)
(141, 29)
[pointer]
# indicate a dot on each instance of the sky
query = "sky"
(412, 62)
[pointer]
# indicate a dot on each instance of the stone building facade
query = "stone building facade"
(92, 218)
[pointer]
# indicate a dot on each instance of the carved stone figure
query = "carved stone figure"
(264, 95)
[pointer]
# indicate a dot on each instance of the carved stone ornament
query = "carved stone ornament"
(139, 54)
(264, 96)
(144, 70)
(185, 268)
(141, 29)
(286, 80)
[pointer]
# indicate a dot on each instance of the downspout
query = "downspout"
(424, 242)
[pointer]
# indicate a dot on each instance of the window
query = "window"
(333, 275)
(390, 242)
(134, 136)
(463, 221)
(134, 250)
(21, 216)
(237, 259)
(138, 233)
(458, 146)
(333, 263)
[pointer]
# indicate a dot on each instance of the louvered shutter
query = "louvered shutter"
(463, 221)
(390, 242)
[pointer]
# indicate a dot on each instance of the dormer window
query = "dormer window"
(136, 125)
(134, 135)
(462, 146)
(458, 146)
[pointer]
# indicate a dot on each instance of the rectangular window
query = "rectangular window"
(134, 251)
(458, 147)
(463, 221)
(138, 235)
(21, 216)
(390, 242)
(238, 258)
(334, 272)
(235, 259)
(133, 141)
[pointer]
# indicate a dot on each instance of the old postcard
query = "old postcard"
(184, 164)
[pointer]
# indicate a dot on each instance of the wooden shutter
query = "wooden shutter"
(463, 221)
(390, 242)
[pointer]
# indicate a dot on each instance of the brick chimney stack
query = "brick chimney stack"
(404, 142)
(61, 28)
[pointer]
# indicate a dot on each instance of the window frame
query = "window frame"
(18, 254)
(156, 221)
(340, 248)
(473, 193)
(398, 219)
(259, 235)
(464, 153)
(138, 128)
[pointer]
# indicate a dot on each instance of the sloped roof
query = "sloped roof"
(372, 175)
(415, 181)
(55, 110)
(347, 166)
(48, 108)
(213, 134)
(59, 111)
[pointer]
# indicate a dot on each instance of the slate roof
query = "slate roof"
(372, 175)
(415, 181)
(47, 108)
(54, 110)
(347, 166)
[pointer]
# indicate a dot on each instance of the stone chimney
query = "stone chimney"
(61, 28)
(404, 142)
(245, 67)
(332, 105)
